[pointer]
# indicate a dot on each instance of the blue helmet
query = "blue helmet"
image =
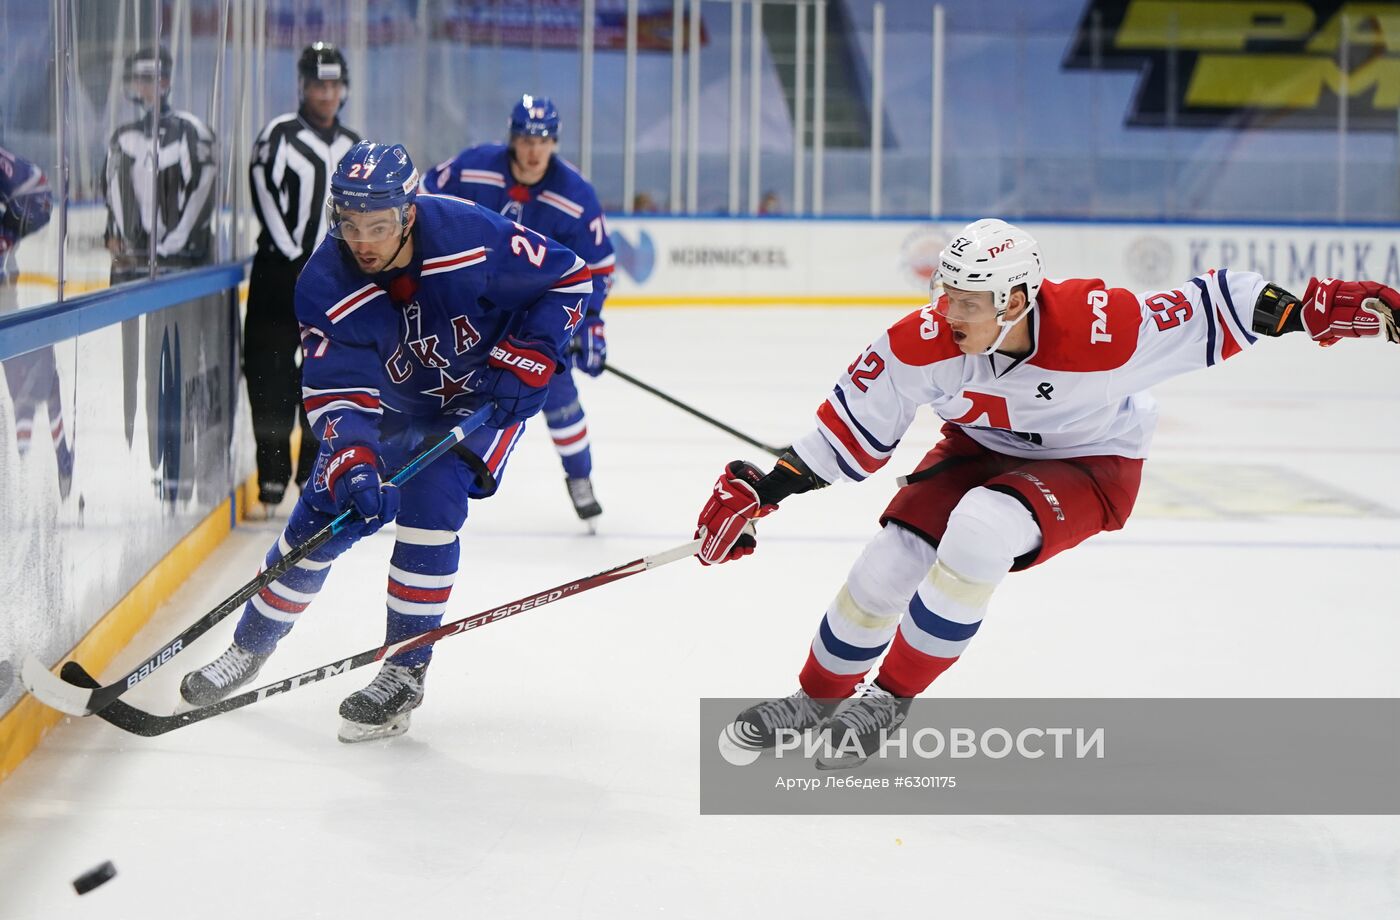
(371, 177)
(535, 116)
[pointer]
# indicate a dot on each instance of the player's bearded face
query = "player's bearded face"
(373, 237)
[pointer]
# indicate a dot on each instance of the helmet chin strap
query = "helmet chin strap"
(1005, 330)
(403, 238)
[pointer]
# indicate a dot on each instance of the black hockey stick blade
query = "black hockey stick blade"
(122, 715)
(66, 697)
(77, 675)
(147, 724)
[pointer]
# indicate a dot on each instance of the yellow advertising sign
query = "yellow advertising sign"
(1222, 62)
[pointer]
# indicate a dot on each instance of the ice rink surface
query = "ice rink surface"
(553, 769)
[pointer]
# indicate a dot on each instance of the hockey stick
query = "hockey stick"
(64, 697)
(775, 451)
(916, 476)
(139, 722)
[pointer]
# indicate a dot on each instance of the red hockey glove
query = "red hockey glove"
(516, 379)
(1335, 310)
(731, 508)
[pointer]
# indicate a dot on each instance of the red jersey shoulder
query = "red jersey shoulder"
(1085, 326)
(922, 338)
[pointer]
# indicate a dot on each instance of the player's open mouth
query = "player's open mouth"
(959, 337)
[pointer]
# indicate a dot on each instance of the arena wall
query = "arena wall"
(122, 451)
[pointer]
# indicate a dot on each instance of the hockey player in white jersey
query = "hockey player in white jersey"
(1042, 389)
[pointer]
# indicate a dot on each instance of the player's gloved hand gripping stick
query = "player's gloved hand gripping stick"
(588, 349)
(79, 701)
(742, 495)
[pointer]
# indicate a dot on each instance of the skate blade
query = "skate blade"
(355, 732)
(592, 525)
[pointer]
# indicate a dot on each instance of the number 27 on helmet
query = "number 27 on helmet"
(372, 188)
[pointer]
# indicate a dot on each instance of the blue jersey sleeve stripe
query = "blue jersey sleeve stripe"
(1224, 282)
(1210, 321)
(864, 432)
(846, 468)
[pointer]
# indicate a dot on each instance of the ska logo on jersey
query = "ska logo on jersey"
(449, 387)
(1238, 58)
(423, 347)
(427, 349)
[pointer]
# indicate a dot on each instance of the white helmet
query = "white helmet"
(991, 255)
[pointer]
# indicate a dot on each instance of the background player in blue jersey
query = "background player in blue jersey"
(529, 183)
(25, 205)
(414, 312)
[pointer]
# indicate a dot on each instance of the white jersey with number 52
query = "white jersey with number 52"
(1080, 392)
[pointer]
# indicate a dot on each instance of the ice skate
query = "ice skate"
(217, 679)
(756, 728)
(382, 709)
(585, 504)
(857, 729)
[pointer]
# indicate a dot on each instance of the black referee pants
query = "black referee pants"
(271, 339)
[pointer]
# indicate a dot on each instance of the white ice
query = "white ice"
(553, 770)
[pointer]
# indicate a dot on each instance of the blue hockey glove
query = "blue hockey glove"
(24, 214)
(589, 347)
(352, 475)
(516, 379)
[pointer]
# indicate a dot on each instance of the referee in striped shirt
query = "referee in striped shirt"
(293, 160)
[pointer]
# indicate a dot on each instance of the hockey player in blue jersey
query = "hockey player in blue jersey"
(415, 310)
(529, 183)
(26, 202)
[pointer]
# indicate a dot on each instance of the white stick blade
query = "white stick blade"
(671, 555)
(51, 691)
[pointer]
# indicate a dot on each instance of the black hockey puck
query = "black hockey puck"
(90, 880)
